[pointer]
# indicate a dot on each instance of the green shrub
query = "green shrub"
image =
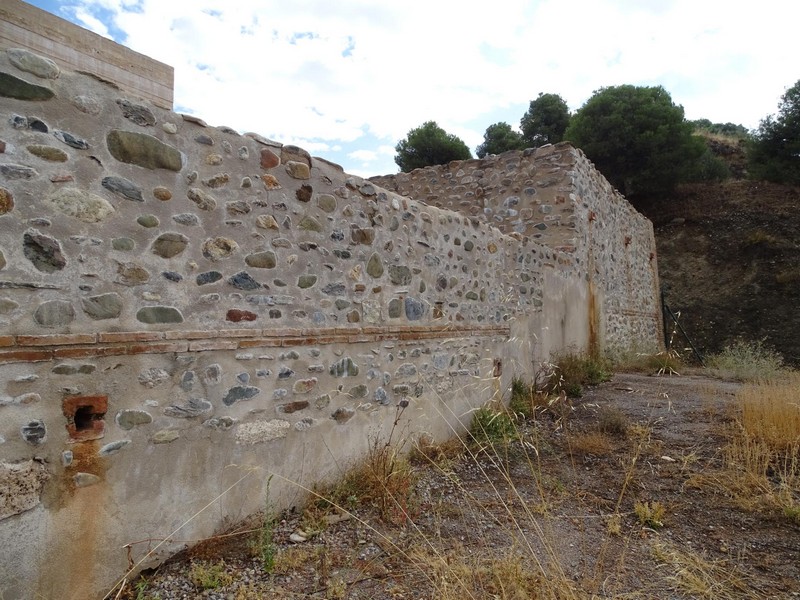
(491, 426)
(747, 361)
(574, 371)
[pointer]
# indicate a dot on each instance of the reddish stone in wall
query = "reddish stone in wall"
(269, 159)
(237, 315)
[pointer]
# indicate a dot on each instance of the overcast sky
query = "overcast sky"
(347, 79)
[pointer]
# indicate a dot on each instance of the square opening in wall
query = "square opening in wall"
(85, 417)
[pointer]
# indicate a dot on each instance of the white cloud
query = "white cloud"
(354, 76)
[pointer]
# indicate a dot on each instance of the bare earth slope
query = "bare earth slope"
(729, 261)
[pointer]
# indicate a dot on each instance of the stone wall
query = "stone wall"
(186, 311)
(555, 197)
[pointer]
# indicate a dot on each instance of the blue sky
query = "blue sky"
(348, 79)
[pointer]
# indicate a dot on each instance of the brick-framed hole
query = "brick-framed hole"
(85, 417)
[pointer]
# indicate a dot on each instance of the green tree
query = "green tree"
(638, 138)
(499, 138)
(774, 153)
(546, 121)
(429, 145)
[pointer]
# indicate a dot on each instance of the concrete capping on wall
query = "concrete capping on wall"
(78, 49)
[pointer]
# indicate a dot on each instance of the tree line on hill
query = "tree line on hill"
(635, 135)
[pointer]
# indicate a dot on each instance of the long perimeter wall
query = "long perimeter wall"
(186, 311)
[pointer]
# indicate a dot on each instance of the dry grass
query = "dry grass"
(748, 362)
(700, 577)
(761, 462)
(591, 442)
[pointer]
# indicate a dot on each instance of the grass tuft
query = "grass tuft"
(748, 362)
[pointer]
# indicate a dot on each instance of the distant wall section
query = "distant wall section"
(554, 196)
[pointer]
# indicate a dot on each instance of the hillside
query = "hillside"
(729, 259)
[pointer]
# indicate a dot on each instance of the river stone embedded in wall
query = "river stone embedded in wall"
(188, 219)
(415, 309)
(262, 260)
(309, 224)
(362, 236)
(306, 281)
(262, 431)
(406, 370)
(21, 400)
(375, 265)
(22, 484)
(82, 480)
(48, 153)
(104, 306)
(326, 202)
(143, 150)
(266, 222)
(11, 172)
(128, 419)
(29, 62)
(399, 275)
(123, 188)
(395, 308)
(71, 140)
(269, 159)
(83, 205)
(292, 407)
(162, 193)
(2, 260)
(218, 248)
(165, 436)
(303, 386)
(87, 104)
(6, 201)
(270, 182)
(295, 153)
(34, 432)
(220, 423)
(212, 374)
(359, 391)
(7, 306)
(243, 281)
(343, 415)
(131, 274)
(113, 447)
(298, 170)
(240, 392)
(196, 407)
(168, 245)
(15, 87)
(153, 377)
(148, 221)
(153, 315)
(55, 313)
(219, 180)
(67, 369)
(344, 367)
(202, 199)
(137, 113)
(208, 277)
(123, 244)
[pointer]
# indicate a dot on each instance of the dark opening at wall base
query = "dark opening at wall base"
(85, 417)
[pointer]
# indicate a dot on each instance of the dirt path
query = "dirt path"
(553, 516)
